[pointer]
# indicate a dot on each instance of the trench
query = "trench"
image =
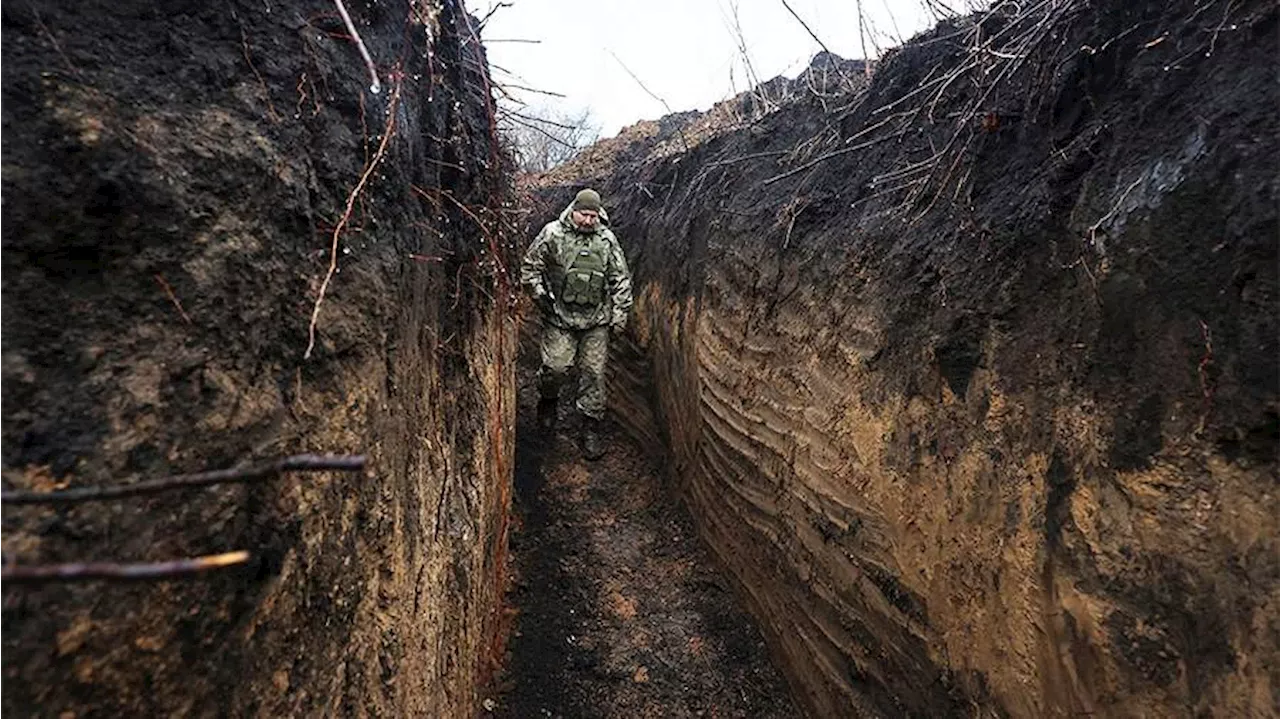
(933, 405)
(617, 607)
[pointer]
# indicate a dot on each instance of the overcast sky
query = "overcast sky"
(685, 52)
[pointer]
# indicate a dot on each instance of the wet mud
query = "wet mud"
(616, 607)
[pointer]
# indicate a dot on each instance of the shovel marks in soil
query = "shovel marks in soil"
(621, 612)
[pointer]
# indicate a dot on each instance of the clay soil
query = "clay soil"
(617, 607)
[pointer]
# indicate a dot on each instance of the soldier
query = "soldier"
(578, 277)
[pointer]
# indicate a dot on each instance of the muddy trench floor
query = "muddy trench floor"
(619, 609)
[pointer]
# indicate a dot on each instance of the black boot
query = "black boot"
(547, 415)
(592, 439)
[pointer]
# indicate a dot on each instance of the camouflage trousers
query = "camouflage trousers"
(561, 349)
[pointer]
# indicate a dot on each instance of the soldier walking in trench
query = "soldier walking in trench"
(578, 277)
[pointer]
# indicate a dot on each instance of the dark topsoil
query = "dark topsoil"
(618, 609)
(172, 176)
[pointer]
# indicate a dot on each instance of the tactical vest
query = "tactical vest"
(584, 277)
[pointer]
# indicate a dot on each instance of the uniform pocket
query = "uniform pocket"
(583, 287)
(584, 280)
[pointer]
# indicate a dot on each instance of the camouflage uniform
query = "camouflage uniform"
(559, 348)
(581, 282)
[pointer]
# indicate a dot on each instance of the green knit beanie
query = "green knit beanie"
(587, 200)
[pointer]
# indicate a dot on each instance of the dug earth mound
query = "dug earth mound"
(970, 377)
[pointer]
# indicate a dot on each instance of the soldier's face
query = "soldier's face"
(585, 219)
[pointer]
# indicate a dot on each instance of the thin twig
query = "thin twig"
(897, 33)
(56, 45)
(513, 86)
(248, 57)
(862, 36)
(843, 78)
(374, 86)
(638, 82)
(753, 80)
(84, 571)
(543, 120)
(515, 118)
(466, 210)
(902, 172)
(265, 470)
(925, 84)
(346, 217)
(823, 158)
(172, 297)
(490, 110)
(806, 27)
(1202, 370)
(794, 208)
(484, 229)
(1115, 209)
(1213, 41)
(945, 178)
(744, 158)
(940, 10)
(485, 20)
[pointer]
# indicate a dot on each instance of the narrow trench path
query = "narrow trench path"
(620, 609)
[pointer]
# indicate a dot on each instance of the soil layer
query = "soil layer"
(971, 376)
(177, 180)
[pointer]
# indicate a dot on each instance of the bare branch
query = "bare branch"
(806, 27)
(172, 297)
(862, 37)
(638, 82)
(84, 571)
(496, 67)
(735, 28)
(744, 158)
(544, 120)
(530, 89)
(518, 119)
(939, 10)
(57, 46)
(346, 217)
(823, 158)
(897, 33)
(543, 137)
(374, 86)
(489, 15)
(265, 470)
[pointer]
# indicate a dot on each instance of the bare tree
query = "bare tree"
(542, 138)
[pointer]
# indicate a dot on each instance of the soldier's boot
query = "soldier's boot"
(547, 415)
(592, 439)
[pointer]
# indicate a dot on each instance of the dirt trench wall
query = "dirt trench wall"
(173, 176)
(1011, 453)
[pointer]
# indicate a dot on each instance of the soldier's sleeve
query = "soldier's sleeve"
(619, 282)
(533, 266)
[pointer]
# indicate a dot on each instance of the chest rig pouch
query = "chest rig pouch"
(584, 277)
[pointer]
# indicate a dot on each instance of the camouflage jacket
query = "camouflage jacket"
(580, 280)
